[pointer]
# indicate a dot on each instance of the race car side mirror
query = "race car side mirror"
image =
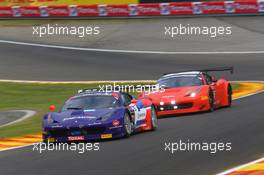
(52, 108)
(133, 101)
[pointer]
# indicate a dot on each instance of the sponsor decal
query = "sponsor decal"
(51, 139)
(73, 10)
(118, 10)
(88, 10)
(197, 8)
(6, 12)
(16, 11)
(44, 11)
(95, 123)
(114, 127)
(149, 9)
(181, 8)
(56, 126)
(30, 11)
(75, 133)
(116, 95)
(141, 116)
(89, 110)
(115, 123)
(133, 9)
(58, 11)
(261, 6)
(229, 7)
(79, 117)
(106, 136)
(246, 7)
(75, 138)
(102, 10)
(204, 98)
(213, 7)
(164, 9)
(168, 96)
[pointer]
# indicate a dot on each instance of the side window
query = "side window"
(127, 99)
(208, 79)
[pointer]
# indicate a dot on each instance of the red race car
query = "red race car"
(191, 91)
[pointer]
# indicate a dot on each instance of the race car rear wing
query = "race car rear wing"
(231, 69)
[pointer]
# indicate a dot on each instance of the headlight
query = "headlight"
(173, 102)
(161, 103)
(193, 93)
(49, 119)
(106, 116)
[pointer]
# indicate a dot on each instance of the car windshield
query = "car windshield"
(180, 81)
(91, 102)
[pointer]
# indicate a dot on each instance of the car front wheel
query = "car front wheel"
(154, 120)
(127, 125)
(211, 101)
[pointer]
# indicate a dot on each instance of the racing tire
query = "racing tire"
(44, 141)
(127, 125)
(211, 101)
(154, 119)
(229, 95)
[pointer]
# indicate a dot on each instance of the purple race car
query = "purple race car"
(93, 115)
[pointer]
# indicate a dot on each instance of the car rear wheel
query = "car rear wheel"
(128, 125)
(154, 120)
(229, 95)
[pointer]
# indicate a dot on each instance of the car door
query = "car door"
(131, 107)
(138, 111)
(140, 114)
(213, 86)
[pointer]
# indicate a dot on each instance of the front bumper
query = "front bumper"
(187, 105)
(82, 134)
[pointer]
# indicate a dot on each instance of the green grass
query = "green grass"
(37, 97)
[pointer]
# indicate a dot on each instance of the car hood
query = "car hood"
(171, 94)
(83, 116)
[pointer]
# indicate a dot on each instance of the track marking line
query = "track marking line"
(248, 88)
(242, 168)
(130, 51)
(7, 149)
(28, 114)
(19, 142)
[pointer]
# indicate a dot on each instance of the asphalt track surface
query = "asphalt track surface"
(143, 153)
(16, 116)
(7, 117)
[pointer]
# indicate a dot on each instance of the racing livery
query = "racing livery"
(93, 115)
(191, 91)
